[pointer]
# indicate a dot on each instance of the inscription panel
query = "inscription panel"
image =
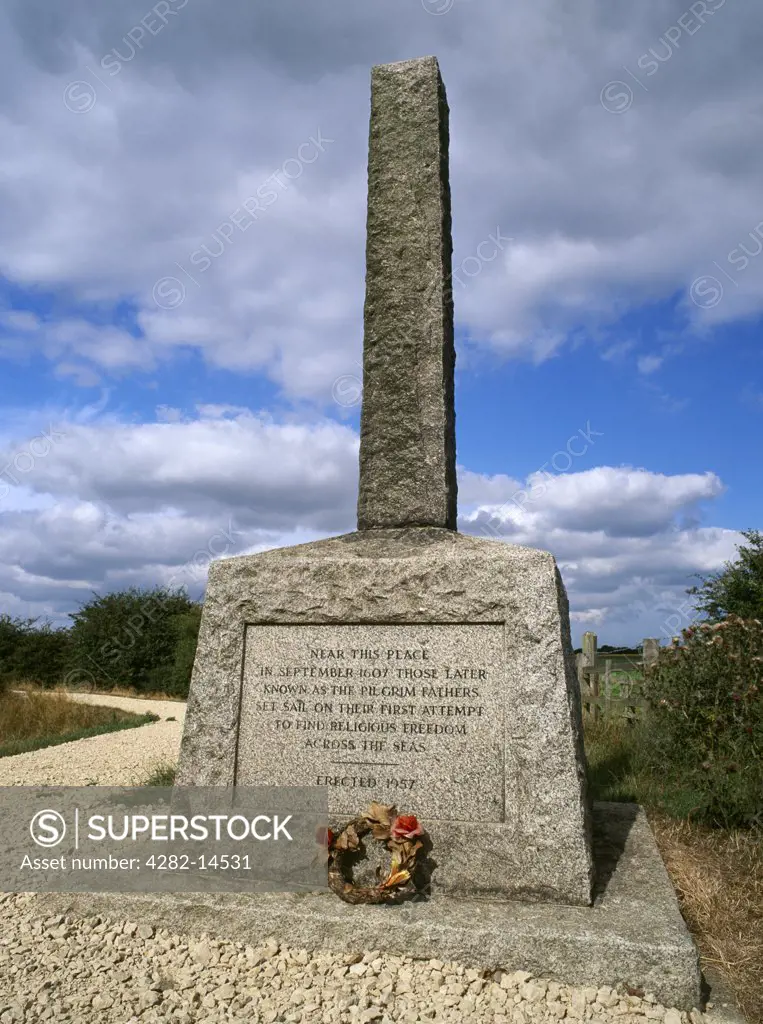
(410, 715)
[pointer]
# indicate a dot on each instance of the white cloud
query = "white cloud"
(19, 320)
(115, 504)
(84, 376)
(273, 472)
(616, 352)
(597, 213)
(600, 209)
(168, 414)
(619, 502)
(220, 411)
(649, 364)
(627, 541)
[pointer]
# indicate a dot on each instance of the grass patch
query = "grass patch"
(162, 775)
(34, 720)
(717, 873)
(618, 769)
(114, 691)
(624, 684)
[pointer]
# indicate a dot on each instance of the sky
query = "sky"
(182, 241)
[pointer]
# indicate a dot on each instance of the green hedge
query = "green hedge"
(32, 653)
(139, 638)
(706, 719)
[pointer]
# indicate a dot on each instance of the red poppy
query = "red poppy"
(406, 826)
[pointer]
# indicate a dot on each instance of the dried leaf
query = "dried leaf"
(396, 879)
(381, 813)
(405, 851)
(348, 840)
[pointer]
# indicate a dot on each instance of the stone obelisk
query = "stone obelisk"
(406, 663)
(407, 428)
(412, 665)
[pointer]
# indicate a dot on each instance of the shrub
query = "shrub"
(186, 627)
(32, 653)
(140, 639)
(137, 638)
(706, 713)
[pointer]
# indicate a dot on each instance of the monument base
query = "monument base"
(633, 934)
(417, 667)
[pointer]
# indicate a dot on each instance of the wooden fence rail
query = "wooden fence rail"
(610, 683)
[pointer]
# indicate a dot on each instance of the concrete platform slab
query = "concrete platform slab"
(633, 934)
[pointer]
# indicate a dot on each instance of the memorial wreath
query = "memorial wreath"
(401, 834)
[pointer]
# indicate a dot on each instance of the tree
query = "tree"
(738, 588)
(186, 627)
(32, 653)
(137, 638)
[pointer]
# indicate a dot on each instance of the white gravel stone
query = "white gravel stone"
(69, 970)
(124, 758)
(175, 979)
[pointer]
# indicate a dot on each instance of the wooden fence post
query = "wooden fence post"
(651, 648)
(588, 664)
(607, 687)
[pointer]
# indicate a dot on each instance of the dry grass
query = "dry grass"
(717, 873)
(115, 691)
(718, 876)
(38, 719)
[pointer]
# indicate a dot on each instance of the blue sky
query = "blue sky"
(619, 304)
(701, 410)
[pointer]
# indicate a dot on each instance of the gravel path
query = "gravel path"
(78, 971)
(123, 758)
(63, 969)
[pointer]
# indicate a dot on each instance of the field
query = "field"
(30, 720)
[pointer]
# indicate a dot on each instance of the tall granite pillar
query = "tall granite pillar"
(407, 428)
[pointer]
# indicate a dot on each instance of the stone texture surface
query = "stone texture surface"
(413, 715)
(407, 431)
(541, 849)
(633, 936)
